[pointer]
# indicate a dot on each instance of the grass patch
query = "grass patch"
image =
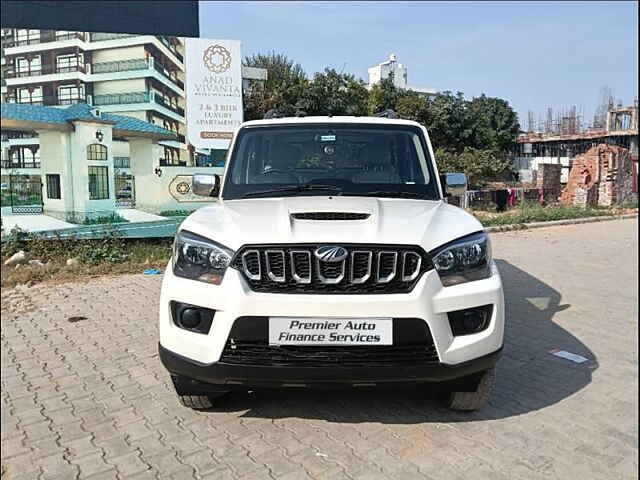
(105, 219)
(534, 212)
(105, 256)
(176, 213)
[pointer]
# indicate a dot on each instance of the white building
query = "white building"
(389, 67)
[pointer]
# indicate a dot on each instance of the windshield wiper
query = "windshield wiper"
(295, 189)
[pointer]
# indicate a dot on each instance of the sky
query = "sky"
(535, 55)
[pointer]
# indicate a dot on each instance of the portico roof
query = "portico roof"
(34, 117)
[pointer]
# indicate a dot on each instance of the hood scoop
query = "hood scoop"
(330, 216)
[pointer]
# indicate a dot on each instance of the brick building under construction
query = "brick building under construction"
(598, 166)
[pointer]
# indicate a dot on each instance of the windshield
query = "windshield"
(330, 159)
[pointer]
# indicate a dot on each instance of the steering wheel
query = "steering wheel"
(282, 172)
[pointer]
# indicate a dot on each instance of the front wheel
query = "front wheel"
(475, 399)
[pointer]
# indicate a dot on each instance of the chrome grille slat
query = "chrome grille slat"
(416, 270)
(381, 257)
(366, 276)
(245, 266)
(295, 267)
(268, 256)
(367, 268)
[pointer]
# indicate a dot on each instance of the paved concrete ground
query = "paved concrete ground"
(31, 223)
(133, 215)
(89, 398)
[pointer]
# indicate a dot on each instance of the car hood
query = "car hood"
(234, 223)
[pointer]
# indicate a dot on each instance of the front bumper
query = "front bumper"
(234, 377)
(429, 301)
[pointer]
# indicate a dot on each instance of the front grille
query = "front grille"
(330, 216)
(366, 269)
(248, 345)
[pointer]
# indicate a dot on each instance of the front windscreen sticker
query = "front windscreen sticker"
(327, 138)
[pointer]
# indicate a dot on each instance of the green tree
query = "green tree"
(476, 163)
(282, 90)
(383, 96)
(494, 124)
(333, 93)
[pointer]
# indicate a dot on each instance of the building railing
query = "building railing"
(19, 164)
(134, 64)
(43, 70)
(181, 138)
(120, 66)
(102, 36)
(47, 100)
(46, 36)
(160, 68)
(121, 98)
(161, 101)
(9, 135)
(121, 162)
(171, 47)
(135, 97)
(169, 163)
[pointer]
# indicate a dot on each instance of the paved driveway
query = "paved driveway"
(84, 394)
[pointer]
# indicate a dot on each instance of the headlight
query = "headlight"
(199, 258)
(463, 260)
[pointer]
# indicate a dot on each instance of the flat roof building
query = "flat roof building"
(391, 67)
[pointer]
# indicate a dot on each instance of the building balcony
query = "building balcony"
(101, 36)
(121, 99)
(120, 66)
(174, 108)
(9, 164)
(43, 70)
(137, 101)
(164, 162)
(171, 47)
(48, 101)
(135, 68)
(95, 41)
(46, 36)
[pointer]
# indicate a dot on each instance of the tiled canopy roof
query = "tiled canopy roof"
(80, 111)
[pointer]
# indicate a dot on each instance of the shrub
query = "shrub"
(105, 219)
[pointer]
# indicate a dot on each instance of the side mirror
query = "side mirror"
(456, 184)
(206, 185)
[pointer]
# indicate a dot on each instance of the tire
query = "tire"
(474, 400)
(198, 402)
(195, 395)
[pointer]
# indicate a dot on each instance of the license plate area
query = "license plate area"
(330, 331)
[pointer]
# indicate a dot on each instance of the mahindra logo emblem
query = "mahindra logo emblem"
(331, 254)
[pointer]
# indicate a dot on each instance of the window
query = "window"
(70, 94)
(53, 186)
(28, 66)
(26, 37)
(98, 183)
(95, 151)
(25, 157)
(68, 63)
(29, 95)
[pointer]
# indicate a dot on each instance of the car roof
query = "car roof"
(331, 119)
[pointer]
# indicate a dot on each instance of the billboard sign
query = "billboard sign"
(214, 91)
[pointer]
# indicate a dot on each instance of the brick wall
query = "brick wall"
(548, 178)
(600, 176)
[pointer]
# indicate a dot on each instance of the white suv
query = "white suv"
(331, 259)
